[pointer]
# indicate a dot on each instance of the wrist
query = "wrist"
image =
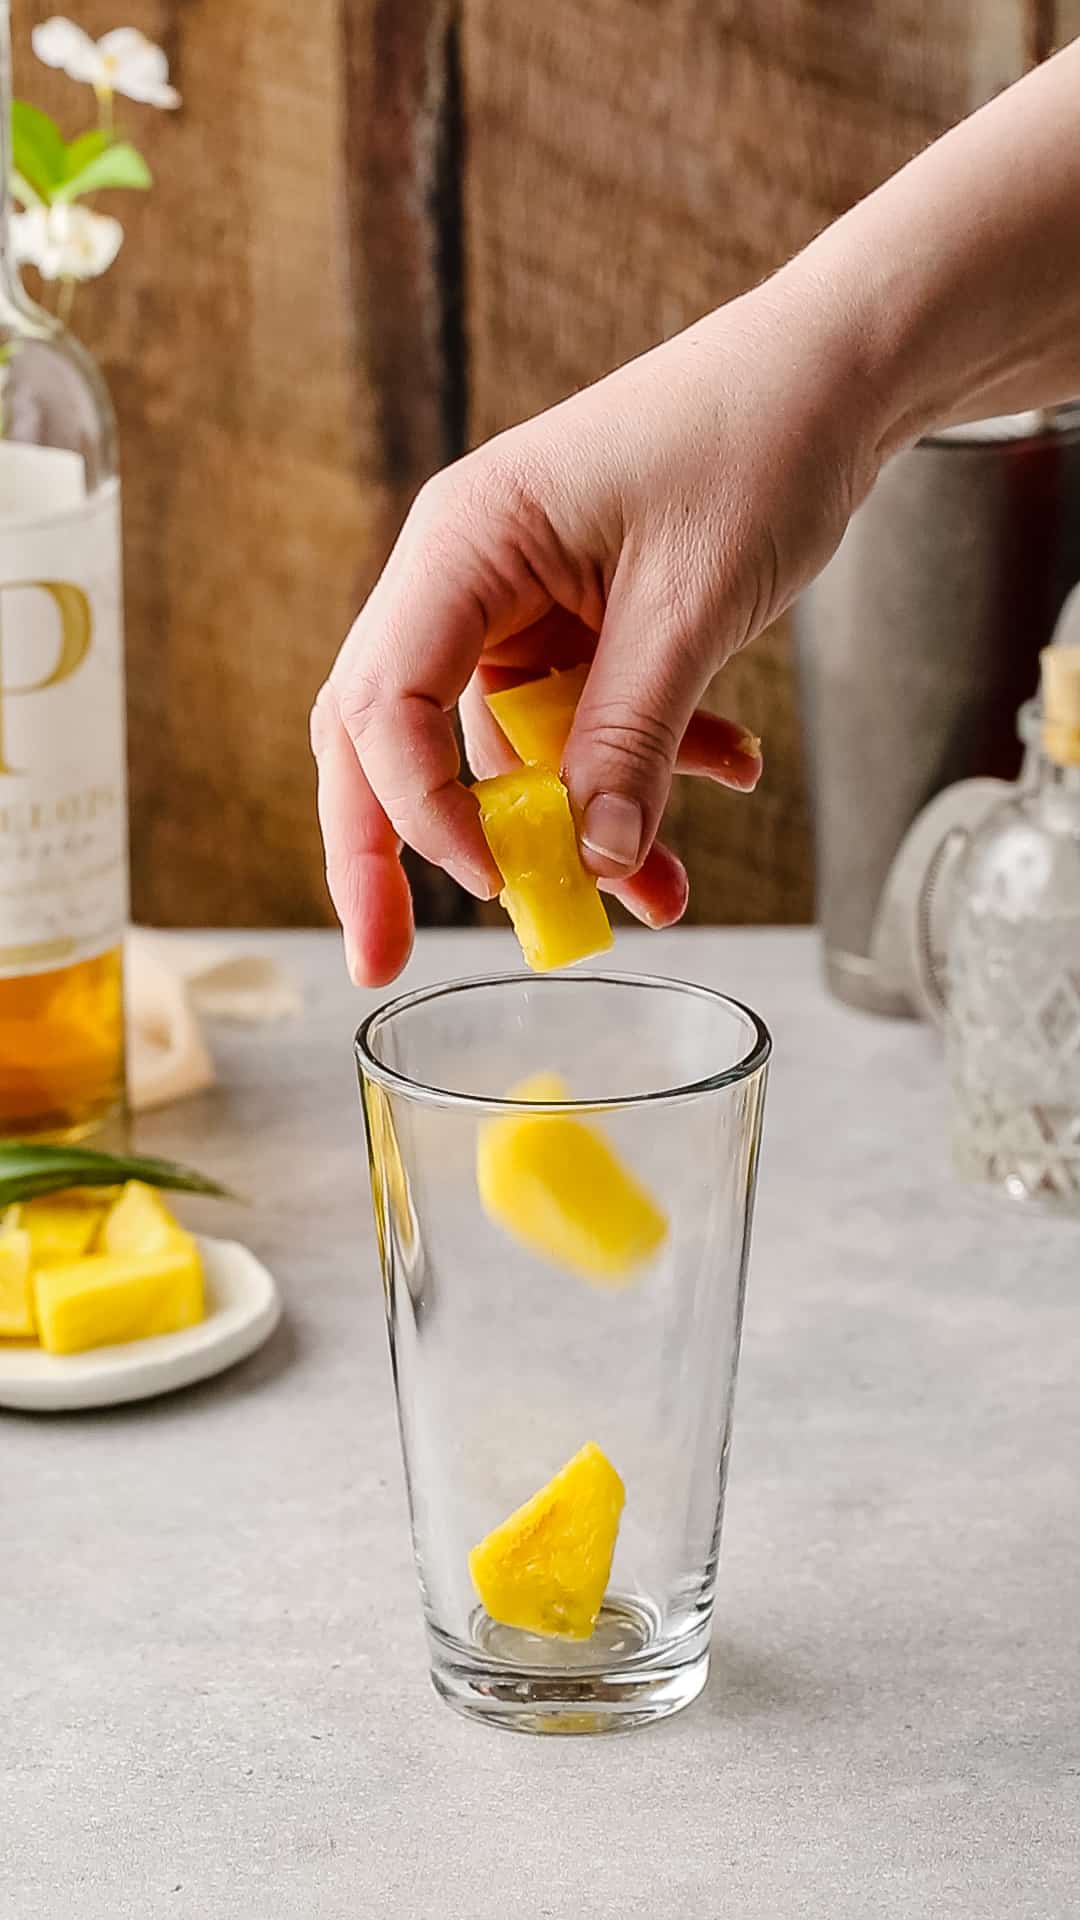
(841, 394)
(867, 336)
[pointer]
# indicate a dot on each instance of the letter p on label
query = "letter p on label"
(45, 634)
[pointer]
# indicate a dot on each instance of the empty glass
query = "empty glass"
(513, 1348)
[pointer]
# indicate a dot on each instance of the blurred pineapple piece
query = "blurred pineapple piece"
(146, 1279)
(140, 1222)
(108, 1298)
(60, 1227)
(553, 1183)
(16, 1289)
(100, 1197)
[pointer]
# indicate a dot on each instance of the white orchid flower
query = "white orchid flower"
(65, 242)
(123, 61)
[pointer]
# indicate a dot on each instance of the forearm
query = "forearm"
(957, 284)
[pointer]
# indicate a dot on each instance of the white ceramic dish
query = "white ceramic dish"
(243, 1308)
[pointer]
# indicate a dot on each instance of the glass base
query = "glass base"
(107, 1130)
(1031, 1152)
(856, 981)
(621, 1678)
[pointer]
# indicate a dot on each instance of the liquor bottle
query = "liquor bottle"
(1013, 970)
(63, 822)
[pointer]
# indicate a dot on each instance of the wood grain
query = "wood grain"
(402, 187)
(257, 490)
(632, 163)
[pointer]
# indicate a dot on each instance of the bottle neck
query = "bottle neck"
(1055, 791)
(9, 281)
(17, 311)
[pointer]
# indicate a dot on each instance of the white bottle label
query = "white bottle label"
(63, 811)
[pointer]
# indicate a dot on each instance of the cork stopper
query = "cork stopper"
(1061, 704)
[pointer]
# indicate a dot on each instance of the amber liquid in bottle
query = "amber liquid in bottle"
(62, 1051)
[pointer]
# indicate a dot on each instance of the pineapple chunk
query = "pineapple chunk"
(536, 718)
(59, 1229)
(554, 1184)
(557, 912)
(98, 1197)
(140, 1222)
(545, 1087)
(546, 1568)
(16, 1290)
(107, 1298)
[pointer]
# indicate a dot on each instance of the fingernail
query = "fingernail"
(742, 767)
(352, 962)
(612, 828)
(471, 879)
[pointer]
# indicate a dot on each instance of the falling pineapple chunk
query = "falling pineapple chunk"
(545, 1088)
(546, 1568)
(556, 910)
(555, 1185)
(536, 717)
(16, 1290)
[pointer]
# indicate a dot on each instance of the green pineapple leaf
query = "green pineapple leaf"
(28, 1171)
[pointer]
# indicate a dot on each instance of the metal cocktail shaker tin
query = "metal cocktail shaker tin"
(917, 644)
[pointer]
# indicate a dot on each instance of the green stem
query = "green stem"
(64, 300)
(105, 110)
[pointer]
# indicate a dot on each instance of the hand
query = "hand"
(652, 524)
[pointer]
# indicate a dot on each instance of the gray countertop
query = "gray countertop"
(216, 1704)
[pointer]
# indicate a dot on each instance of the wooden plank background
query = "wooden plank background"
(632, 165)
(384, 228)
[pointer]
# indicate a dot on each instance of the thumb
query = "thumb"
(642, 689)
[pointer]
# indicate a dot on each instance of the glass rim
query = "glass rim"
(392, 1081)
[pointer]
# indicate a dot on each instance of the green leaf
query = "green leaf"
(27, 1171)
(86, 147)
(119, 166)
(38, 148)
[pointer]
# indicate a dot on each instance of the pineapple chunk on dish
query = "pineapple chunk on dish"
(108, 1298)
(16, 1287)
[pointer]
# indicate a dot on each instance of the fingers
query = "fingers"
(559, 639)
(404, 739)
(446, 591)
(363, 870)
(486, 746)
(658, 892)
(638, 700)
(718, 749)
(713, 748)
